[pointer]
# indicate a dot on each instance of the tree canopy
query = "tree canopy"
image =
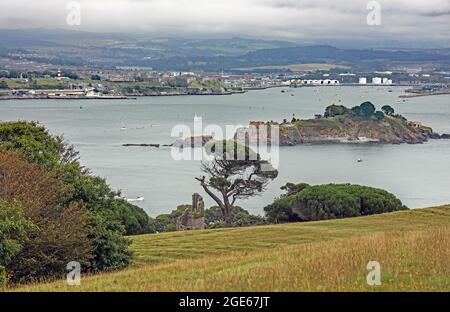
(388, 110)
(331, 201)
(233, 172)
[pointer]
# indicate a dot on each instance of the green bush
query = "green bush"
(14, 229)
(334, 201)
(330, 201)
(168, 222)
(335, 110)
(241, 217)
(213, 218)
(280, 210)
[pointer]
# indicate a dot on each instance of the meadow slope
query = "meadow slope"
(412, 247)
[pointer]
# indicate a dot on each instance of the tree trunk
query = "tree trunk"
(227, 211)
(226, 207)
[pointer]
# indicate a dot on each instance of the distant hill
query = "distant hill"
(310, 54)
(77, 48)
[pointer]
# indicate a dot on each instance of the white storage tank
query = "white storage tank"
(377, 80)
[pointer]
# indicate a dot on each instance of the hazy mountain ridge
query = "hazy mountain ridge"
(76, 48)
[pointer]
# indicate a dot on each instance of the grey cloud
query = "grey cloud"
(293, 19)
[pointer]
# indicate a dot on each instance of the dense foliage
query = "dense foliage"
(56, 233)
(77, 215)
(331, 201)
(241, 217)
(364, 110)
(280, 210)
(213, 218)
(388, 110)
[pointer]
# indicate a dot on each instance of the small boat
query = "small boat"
(123, 128)
(359, 160)
(138, 199)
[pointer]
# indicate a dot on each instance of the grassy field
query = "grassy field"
(22, 84)
(412, 247)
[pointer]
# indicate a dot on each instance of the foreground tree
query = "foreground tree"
(234, 172)
(59, 232)
(61, 182)
(14, 228)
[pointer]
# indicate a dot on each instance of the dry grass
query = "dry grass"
(413, 248)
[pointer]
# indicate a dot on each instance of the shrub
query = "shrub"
(14, 228)
(213, 218)
(280, 210)
(168, 222)
(241, 217)
(331, 201)
(335, 110)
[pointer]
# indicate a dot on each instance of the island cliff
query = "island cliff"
(361, 124)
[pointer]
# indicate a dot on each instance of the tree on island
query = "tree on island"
(335, 110)
(379, 115)
(235, 172)
(356, 110)
(388, 110)
(367, 109)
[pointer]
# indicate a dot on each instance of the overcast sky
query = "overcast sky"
(302, 20)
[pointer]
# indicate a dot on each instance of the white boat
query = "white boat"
(138, 199)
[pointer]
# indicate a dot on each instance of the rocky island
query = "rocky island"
(339, 124)
(361, 124)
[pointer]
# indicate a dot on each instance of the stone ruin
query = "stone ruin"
(193, 218)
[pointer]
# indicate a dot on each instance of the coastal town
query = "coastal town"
(129, 83)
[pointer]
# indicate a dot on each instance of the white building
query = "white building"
(387, 81)
(362, 80)
(325, 82)
(377, 80)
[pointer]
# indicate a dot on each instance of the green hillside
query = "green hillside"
(412, 247)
